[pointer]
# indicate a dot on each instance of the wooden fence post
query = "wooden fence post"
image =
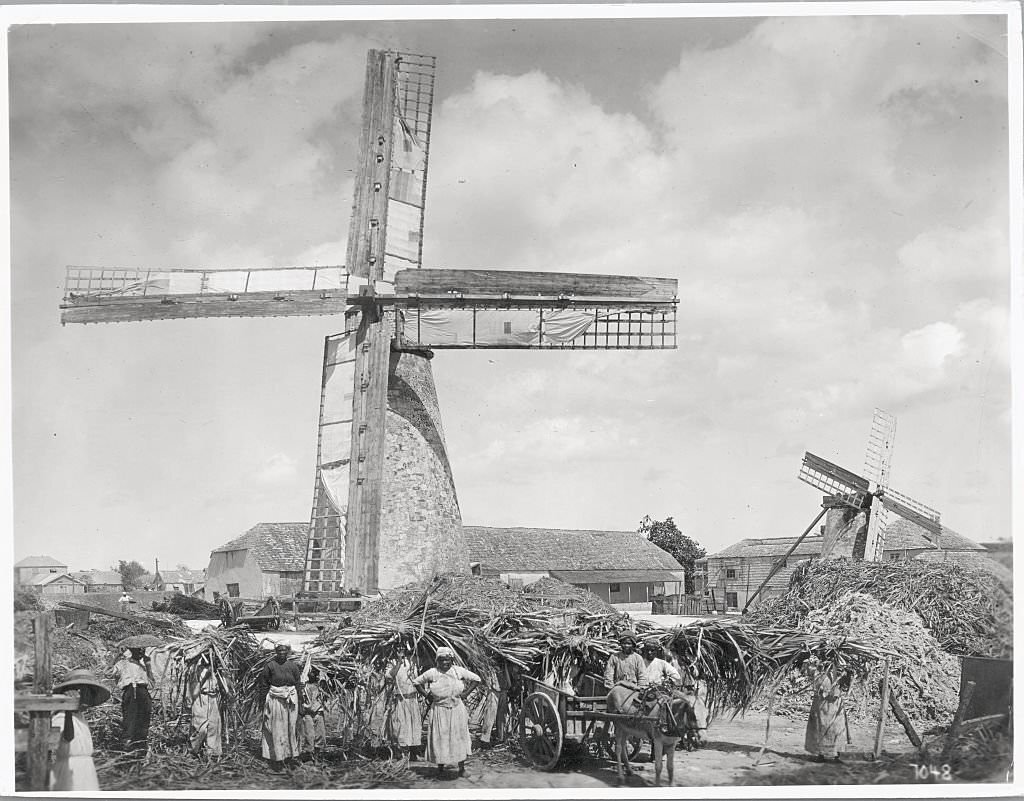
(958, 719)
(39, 721)
(880, 731)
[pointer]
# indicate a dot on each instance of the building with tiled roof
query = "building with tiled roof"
(183, 581)
(31, 566)
(730, 576)
(99, 580)
(265, 561)
(622, 567)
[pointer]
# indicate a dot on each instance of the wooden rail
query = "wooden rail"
(99, 610)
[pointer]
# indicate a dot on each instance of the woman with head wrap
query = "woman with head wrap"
(448, 731)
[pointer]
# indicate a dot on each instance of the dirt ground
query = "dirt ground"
(727, 759)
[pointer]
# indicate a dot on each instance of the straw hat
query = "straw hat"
(80, 677)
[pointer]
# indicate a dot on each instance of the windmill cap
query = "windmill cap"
(80, 677)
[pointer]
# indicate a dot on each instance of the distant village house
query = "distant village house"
(99, 580)
(32, 566)
(57, 584)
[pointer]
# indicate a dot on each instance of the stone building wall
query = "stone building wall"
(421, 526)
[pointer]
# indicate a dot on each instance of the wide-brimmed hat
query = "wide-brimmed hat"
(80, 677)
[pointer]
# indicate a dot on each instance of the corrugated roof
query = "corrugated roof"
(541, 549)
(98, 576)
(902, 535)
(40, 561)
(274, 546)
(769, 546)
(616, 576)
(47, 578)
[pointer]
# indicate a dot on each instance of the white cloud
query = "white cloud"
(278, 468)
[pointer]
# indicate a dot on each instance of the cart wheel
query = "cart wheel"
(540, 731)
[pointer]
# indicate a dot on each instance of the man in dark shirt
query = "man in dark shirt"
(281, 687)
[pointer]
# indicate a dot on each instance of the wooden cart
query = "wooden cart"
(551, 717)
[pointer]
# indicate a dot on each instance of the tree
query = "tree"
(131, 573)
(667, 536)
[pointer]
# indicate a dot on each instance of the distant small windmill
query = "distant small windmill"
(849, 495)
(385, 510)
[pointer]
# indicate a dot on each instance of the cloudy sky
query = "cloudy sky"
(830, 192)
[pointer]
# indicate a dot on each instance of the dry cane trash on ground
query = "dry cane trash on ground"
(491, 628)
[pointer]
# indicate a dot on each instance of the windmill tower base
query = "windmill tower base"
(421, 526)
(846, 531)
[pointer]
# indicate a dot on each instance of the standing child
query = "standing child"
(73, 768)
(312, 724)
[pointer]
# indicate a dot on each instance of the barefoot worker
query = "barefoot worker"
(312, 721)
(448, 733)
(281, 687)
(73, 768)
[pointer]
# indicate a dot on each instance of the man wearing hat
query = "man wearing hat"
(134, 675)
(73, 768)
(281, 687)
(626, 668)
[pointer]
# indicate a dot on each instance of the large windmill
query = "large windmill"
(855, 508)
(385, 510)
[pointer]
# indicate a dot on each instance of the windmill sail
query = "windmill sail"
(107, 295)
(507, 309)
(386, 227)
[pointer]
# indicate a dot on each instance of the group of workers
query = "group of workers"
(648, 668)
(294, 725)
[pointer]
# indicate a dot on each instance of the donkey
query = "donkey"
(662, 722)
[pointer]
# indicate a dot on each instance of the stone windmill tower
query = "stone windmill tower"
(385, 510)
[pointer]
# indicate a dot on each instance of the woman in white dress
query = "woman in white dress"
(448, 732)
(73, 768)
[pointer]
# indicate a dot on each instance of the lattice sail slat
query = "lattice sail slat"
(878, 457)
(833, 480)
